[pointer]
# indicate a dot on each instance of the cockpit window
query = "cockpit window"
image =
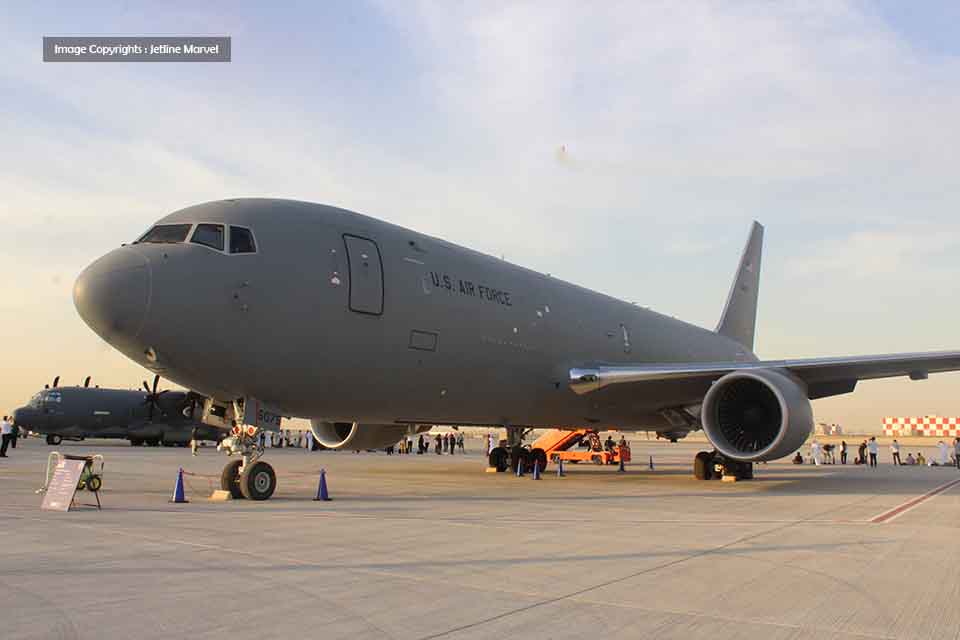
(209, 235)
(241, 241)
(166, 233)
(35, 400)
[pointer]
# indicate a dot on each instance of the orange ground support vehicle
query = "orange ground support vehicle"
(559, 444)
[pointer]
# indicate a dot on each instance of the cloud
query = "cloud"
(870, 254)
(623, 146)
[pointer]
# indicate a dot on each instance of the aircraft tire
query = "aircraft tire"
(498, 459)
(539, 456)
(703, 466)
(258, 481)
(597, 460)
(136, 442)
(230, 479)
(54, 440)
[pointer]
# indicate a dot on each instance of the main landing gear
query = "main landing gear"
(711, 465)
(249, 477)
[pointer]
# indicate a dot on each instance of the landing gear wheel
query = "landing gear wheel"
(54, 440)
(538, 456)
(94, 483)
(230, 479)
(703, 466)
(499, 459)
(136, 442)
(597, 460)
(258, 481)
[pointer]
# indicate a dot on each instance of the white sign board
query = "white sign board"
(62, 486)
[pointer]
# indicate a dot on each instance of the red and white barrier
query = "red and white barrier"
(932, 426)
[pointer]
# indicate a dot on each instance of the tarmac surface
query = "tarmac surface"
(432, 547)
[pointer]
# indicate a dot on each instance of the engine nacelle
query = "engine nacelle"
(353, 435)
(757, 415)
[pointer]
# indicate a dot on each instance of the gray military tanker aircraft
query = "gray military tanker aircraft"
(142, 417)
(367, 328)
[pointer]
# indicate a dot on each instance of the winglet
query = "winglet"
(739, 317)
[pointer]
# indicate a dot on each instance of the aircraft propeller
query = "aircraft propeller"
(153, 398)
(86, 383)
(56, 381)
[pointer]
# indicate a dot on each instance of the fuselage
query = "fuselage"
(343, 317)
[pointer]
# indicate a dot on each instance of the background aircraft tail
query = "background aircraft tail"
(739, 317)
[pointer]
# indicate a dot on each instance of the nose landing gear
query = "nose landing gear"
(249, 477)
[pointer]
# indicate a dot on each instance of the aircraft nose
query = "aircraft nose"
(113, 293)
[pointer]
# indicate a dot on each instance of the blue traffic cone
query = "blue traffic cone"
(178, 496)
(560, 472)
(622, 467)
(536, 469)
(322, 488)
(651, 463)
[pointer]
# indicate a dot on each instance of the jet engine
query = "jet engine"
(752, 416)
(353, 435)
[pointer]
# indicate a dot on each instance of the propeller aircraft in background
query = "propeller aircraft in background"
(146, 416)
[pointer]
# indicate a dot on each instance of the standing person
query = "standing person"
(310, 440)
(460, 442)
(453, 443)
(420, 445)
(15, 434)
(438, 445)
(862, 452)
(895, 452)
(815, 452)
(194, 443)
(6, 432)
(843, 452)
(489, 443)
(873, 449)
(956, 451)
(942, 450)
(409, 445)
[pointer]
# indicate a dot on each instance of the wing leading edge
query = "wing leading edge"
(823, 376)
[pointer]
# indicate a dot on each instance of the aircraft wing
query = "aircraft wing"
(824, 376)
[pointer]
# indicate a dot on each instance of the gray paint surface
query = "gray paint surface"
(461, 338)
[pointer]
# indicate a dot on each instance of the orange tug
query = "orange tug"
(558, 444)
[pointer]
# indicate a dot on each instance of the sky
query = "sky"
(623, 146)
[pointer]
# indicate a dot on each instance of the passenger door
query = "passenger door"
(366, 275)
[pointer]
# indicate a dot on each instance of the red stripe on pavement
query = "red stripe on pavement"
(910, 504)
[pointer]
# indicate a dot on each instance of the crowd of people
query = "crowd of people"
(868, 452)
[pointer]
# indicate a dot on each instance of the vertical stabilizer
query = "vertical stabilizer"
(739, 317)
